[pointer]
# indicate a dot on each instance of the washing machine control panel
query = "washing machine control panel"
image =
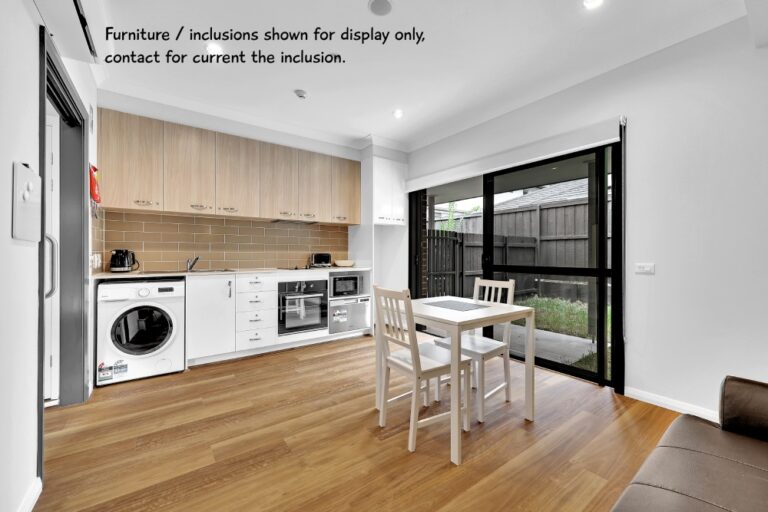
(144, 292)
(122, 291)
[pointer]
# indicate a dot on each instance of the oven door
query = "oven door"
(302, 312)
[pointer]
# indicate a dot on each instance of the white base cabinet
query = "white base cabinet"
(211, 325)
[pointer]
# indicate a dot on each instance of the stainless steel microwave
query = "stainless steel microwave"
(345, 285)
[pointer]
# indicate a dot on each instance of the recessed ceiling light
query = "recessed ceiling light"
(380, 7)
(592, 4)
(300, 93)
(214, 49)
(398, 113)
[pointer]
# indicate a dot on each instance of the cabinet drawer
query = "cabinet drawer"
(259, 319)
(253, 301)
(256, 339)
(256, 283)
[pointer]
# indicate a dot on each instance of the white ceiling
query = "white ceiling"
(480, 59)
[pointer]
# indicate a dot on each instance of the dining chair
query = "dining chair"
(481, 349)
(418, 361)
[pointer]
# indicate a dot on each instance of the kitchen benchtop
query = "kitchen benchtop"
(138, 274)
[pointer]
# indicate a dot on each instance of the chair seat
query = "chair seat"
(476, 347)
(434, 359)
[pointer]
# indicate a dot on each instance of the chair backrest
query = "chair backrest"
(493, 291)
(394, 322)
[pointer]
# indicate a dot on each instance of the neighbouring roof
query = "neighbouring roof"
(565, 191)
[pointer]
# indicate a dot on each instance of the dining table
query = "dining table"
(455, 315)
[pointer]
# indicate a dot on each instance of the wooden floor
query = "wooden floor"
(297, 431)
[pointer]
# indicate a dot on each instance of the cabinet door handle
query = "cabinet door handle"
(255, 320)
(311, 215)
(198, 206)
(341, 217)
(254, 282)
(285, 213)
(230, 210)
(254, 301)
(229, 284)
(142, 202)
(254, 339)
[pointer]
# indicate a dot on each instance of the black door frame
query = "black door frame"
(56, 86)
(599, 272)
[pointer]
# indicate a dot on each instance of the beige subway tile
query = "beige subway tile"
(143, 237)
(161, 246)
(194, 228)
(225, 230)
(114, 236)
(209, 221)
(260, 224)
(178, 219)
(195, 247)
(211, 239)
(159, 227)
(252, 247)
(142, 217)
(277, 232)
(118, 225)
(220, 264)
(245, 264)
(144, 256)
(161, 265)
(178, 255)
(113, 215)
(237, 239)
(237, 222)
(178, 237)
(213, 255)
(224, 247)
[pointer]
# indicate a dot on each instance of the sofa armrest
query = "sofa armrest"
(744, 407)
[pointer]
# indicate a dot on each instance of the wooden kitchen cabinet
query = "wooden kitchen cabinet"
(211, 315)
(345, 201)
(315, 187)
(130, 154)
(279, 182)
(238, 176)
(190, 169)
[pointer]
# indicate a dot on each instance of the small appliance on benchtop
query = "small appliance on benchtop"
(123, 260)
(320, 260)
(139, 330)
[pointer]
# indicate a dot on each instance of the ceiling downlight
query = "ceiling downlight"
(380, 7)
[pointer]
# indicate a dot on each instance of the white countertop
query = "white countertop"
(138, 274)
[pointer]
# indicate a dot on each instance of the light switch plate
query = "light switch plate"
(645, 268)
(27, 203)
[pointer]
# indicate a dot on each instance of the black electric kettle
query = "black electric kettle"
(123, 260)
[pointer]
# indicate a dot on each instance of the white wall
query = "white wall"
(696, 186)
(18, 271)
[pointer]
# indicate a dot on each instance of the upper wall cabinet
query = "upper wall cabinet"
(130, 156)
(190, 169)
(315, 187)
(279, 182)
(155, 165)
(345, 201)
(238, 176)
(390, 202)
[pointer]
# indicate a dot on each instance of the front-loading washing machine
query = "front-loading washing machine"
(139, 330)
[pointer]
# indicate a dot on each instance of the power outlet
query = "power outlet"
(648, 269)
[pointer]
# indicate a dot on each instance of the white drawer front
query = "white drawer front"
(256, 283)
(247, 340)
(259, 319)
(253, 301)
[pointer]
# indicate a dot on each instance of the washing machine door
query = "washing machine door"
(142, 330)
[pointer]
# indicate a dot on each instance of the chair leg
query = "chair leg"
(383, 397)
(467, 399)
(414, 416)
(427, 392)
(437, 388)
(507, 376)
(473, 364)
(481, 391)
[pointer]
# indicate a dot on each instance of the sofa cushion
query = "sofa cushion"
(707, 467)
(699, 435)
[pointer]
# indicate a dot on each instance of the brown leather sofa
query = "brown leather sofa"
(701, 466)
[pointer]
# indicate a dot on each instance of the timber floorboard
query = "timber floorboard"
(297, 431)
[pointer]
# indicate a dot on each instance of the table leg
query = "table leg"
(379, 376)
(530, 356)
(455, 334)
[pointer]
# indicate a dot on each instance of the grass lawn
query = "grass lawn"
(559, 315)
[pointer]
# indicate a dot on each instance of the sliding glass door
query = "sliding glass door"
(548, 227)
(554, 228)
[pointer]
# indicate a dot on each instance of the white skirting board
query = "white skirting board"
(672, 404)
(277, 348)
(32, 495)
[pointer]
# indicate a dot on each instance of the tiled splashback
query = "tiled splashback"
(165, 242)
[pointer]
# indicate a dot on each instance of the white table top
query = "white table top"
(494, 313)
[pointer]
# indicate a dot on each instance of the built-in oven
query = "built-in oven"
(303, 306)
(345, 285)
(348, 315)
